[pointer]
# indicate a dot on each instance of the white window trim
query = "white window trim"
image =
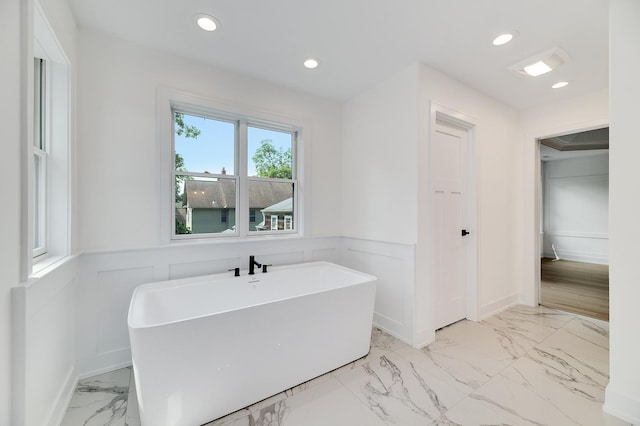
(168, 99)
(58, 174)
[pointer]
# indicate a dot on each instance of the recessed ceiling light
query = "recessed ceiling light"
(537, 69)
(560, 84)
(502, 39)
(311, 63)
(206, 22)
(541, 63)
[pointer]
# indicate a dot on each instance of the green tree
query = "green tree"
(272, 162)
(191, 132)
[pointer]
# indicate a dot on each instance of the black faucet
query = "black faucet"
(252, 263)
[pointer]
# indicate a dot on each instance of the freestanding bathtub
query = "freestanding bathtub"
(206, 346)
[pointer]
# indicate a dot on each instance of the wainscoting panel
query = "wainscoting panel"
(393, 265)
(44, 315)
(114, 290)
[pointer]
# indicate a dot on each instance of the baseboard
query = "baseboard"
(423, 338)
(620, 405)
(104, 363)
(498, 306)
(61, 404)
(580, 257)
(390, 327)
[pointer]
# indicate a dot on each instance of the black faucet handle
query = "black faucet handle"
(264, 268)
(236, 272)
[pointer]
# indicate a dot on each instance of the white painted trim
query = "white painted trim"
(532, 190)
(61, 404)
(442, 114)
(621, 405)
(168, 98)
(498, 306)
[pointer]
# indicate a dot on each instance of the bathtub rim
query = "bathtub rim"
(189, 281)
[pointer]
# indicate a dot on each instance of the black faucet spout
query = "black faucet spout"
(252, 264)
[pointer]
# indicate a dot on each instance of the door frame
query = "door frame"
(467, 124)
(533, 204)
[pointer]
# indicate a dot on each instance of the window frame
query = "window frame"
(40, 149)
(169, 101)
(56, 204)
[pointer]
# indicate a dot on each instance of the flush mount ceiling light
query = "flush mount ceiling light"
(560, 85)
(206, 22)
(504, 38)
(541, 63)
(311, 63)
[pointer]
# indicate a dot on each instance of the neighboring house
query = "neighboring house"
(210, 206)
(278, 216)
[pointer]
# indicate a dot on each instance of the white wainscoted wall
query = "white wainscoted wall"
(72, 322)
(109, 278)
(43, 347)
(576, 209)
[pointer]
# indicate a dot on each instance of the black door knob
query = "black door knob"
(465, 232)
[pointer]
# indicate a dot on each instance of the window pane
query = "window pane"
(205, 206)
(272, 201)
(269, 153)
(37, 202)
(39, 112)
(204, 145)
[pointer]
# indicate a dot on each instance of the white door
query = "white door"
(448, 167)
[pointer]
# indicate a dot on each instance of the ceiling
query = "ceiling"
(362, 42)
(581, 144)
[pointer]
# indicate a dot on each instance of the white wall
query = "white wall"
(379, 161)
(622, 396)
(576, 208)
(582, 113)
(117, 83)
(10, 135)
(498, 155)
(386, 131)
(43, 320)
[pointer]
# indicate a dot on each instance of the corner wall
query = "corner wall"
(582, 113)
(11, 115)
(497, 156)
(622, 397)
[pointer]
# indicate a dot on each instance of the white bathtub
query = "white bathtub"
(206, 346)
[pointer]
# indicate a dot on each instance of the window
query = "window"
(274, 222)
(230, 173)
(48, 161)
(288, 222)
(40, 157)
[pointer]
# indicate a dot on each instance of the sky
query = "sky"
(214, 147)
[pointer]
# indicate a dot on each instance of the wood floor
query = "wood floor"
(577, 287)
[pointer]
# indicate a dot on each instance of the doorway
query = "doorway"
(574, 183)
(453, 218)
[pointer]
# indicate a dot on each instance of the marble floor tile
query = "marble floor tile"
(100, 400)
(400, 393)
(495, 341)
(533, 324)
(462, 367)
(524, 366)
(381, 344)
(593, 330)
(328, 403)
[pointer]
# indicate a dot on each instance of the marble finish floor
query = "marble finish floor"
(524, 366)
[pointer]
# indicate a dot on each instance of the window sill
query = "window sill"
(45, 265)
